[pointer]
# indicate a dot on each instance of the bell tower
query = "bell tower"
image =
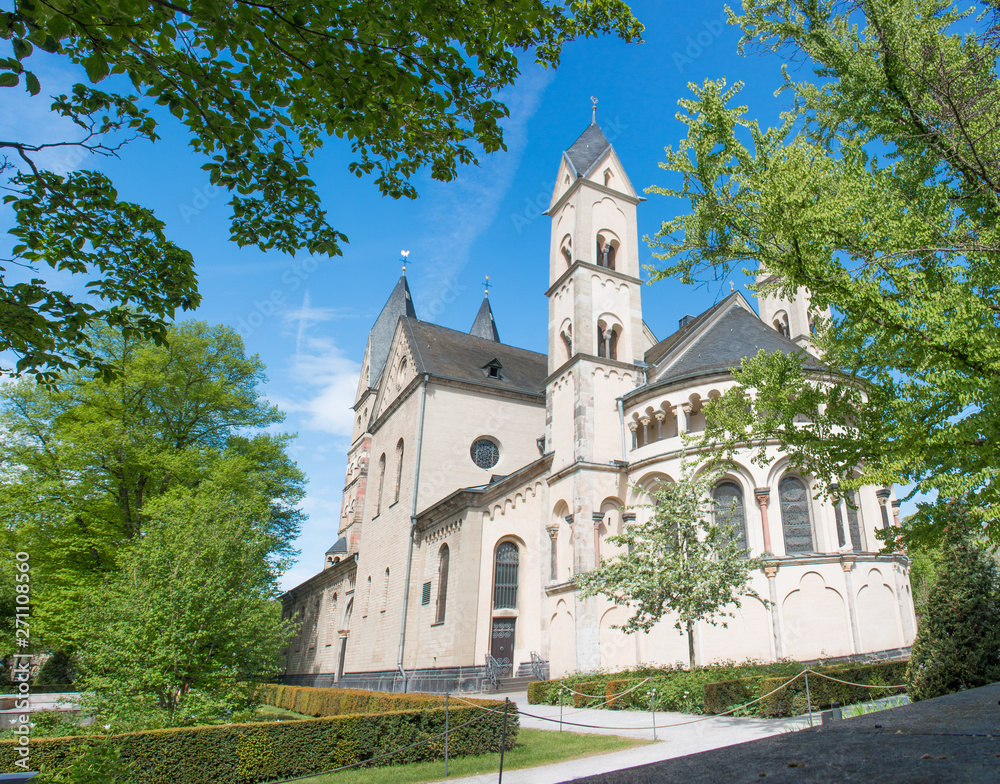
(793, 317)
(595, 309)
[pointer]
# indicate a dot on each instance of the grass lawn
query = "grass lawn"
(534, 747)
(271, 713)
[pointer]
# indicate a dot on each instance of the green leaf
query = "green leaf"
(8, 79)
(31, 82)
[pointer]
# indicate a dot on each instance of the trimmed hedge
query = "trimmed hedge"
(311, 701)
(588, 694)
(257, 752)
(791, 701)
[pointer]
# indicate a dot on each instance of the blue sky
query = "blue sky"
(308, 318)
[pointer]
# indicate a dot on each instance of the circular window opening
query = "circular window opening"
(485, 453)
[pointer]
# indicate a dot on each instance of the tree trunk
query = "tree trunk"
(690, 634)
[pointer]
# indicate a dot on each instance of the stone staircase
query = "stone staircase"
(519, 682)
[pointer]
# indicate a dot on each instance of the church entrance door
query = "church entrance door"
(502, 643)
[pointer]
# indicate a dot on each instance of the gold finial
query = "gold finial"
(732, 288)
(488, 286)
(593, 117)
(403, 255)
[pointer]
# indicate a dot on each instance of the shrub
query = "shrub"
(588, 694)
(958, 642)
(722, 696)
(256, 752)
(791, 701)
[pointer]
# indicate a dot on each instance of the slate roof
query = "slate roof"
(449, 353)
(400, 303)
(485, 326)
(736, 333)
(339, 547)
(587, 149)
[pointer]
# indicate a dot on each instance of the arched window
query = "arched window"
(567, 249)
(385, 590)
(368, 596)
(729, 512)
(780, 323)
(795, 524)
(381, 485)
(607, 342)
(505, 577)
(399, 469)
(442, 600)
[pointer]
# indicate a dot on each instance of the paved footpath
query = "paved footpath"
(711, 733)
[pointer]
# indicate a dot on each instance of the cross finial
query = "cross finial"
(731, 287)
(488, 286)
(593, 101)
(403, 254)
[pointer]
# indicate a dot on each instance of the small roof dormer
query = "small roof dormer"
(492, 369)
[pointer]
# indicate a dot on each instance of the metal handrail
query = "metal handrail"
(492, 670)
(537, 663)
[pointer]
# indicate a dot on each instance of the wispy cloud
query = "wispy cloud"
(463, 209)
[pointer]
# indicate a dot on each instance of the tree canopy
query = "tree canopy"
(82, 461)
(258, 87)
(685, 560)
(196, 625)
(879, 193)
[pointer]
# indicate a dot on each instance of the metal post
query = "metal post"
(503, 741)
(561, 687)
(808, 699)
(446, 736)
(652, 707)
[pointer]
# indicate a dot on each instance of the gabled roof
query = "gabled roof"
(717, 341)
(400, 303)
(485, 326)
(586, 150)
(448, 353)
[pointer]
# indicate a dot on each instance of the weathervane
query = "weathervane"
(488, 286)
(593, 117)
(403, 255)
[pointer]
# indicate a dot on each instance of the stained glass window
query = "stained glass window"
(505, 577)
(485, 453)
(795, 523)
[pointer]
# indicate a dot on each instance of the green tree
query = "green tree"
(680, 562)
(258, 87)
(958, 642)
(189, 623)
(880, 194)
(82, 460)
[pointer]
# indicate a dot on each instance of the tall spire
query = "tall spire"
(484, 326)
(400, 303)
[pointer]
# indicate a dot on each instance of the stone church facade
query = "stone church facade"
(482, 477)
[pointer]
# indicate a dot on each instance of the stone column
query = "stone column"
(882, 494)
(686, 410)
(660, 417)
(598, 519)
(627, 519)
(572, 544)
(554, 555)
(762, 494)
(634, 426)
(852, 609)
(644, 421)
(771, 570)
(841, 534)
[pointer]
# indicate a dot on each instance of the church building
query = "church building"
(482, 478)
